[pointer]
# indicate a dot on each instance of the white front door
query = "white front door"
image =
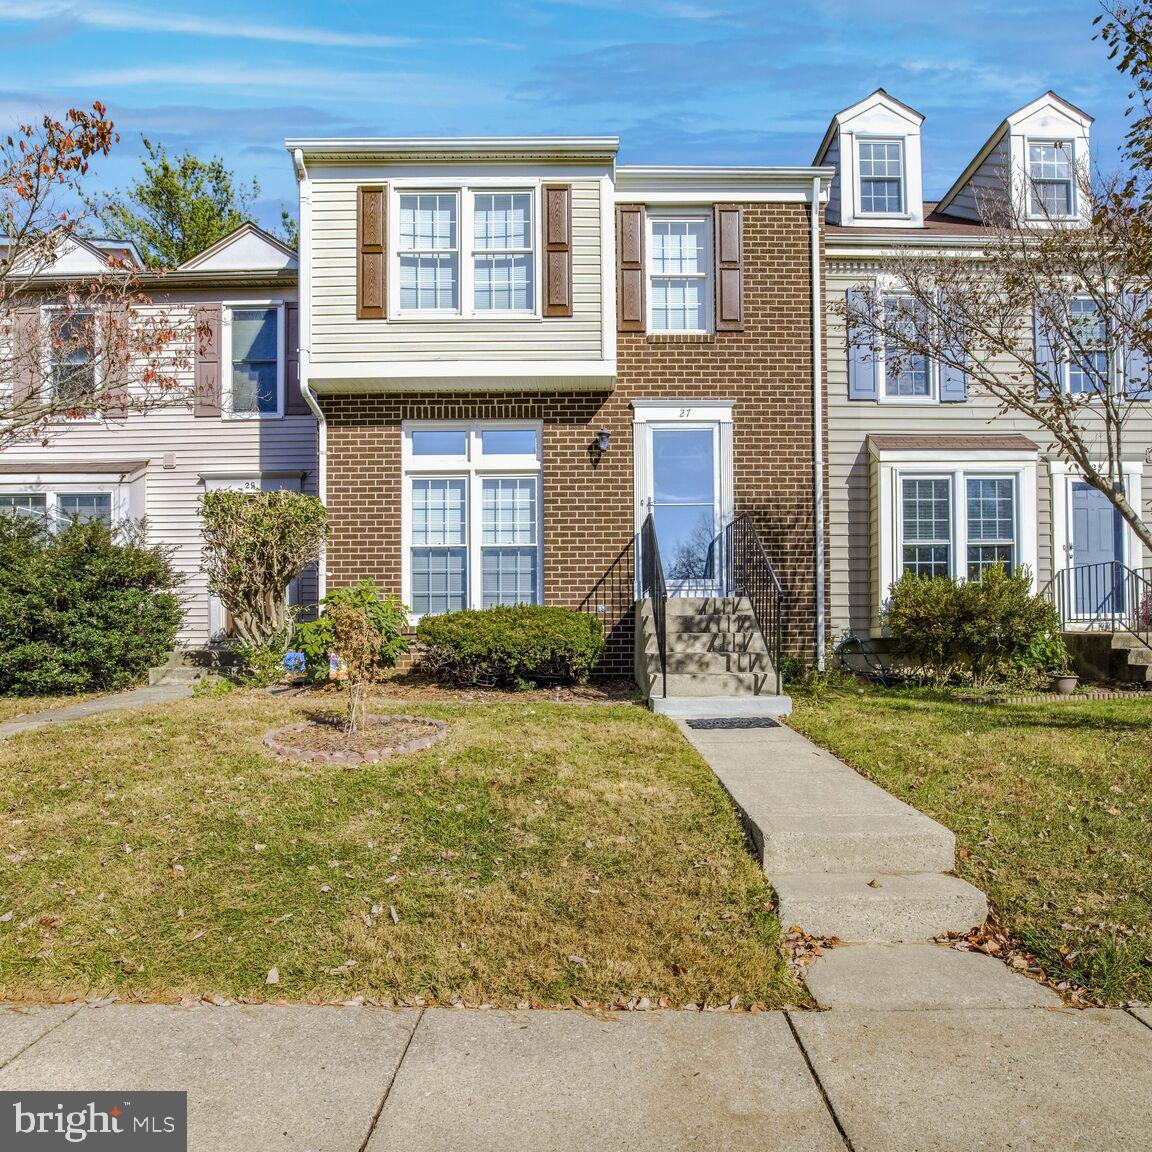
(684, 471)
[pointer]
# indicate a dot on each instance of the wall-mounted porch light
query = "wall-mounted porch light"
(602, 439)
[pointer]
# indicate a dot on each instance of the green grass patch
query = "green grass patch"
(1051, 805)
(164, 853)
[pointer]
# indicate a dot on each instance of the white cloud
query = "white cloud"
(123, 19)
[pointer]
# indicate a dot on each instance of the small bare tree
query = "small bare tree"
(357, 644)
(93, 346)
(1049, 316)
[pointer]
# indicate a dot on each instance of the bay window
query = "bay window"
(991, 520)
(926, 524)
(472, 516)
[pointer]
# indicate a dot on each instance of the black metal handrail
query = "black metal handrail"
(654, 588)
(749, 573)
(1108, 596)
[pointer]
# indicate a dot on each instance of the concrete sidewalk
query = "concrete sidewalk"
(274, 1079)
(116, 702)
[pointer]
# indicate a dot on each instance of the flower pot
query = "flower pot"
(1065, 685)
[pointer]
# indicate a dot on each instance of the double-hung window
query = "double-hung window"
(467, 251)
(679, 273)
(1050, 176)
(958, 523)
(1088, 358)
(72, 356)
(472, 515)
(429, 252)
(881, 164)
(907, 376)
(255, 377)
(502, 251)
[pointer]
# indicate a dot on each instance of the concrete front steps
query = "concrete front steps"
(846, 858)
(1124, 657)
(717, 663)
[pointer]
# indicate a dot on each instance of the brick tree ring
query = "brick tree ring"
(290, 743)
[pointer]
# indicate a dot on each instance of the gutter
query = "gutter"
(305, 354)
(818, 424)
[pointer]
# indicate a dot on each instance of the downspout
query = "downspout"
(818, 422)
(304, 258)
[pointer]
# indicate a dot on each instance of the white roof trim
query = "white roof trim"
(681, 184)
(906, 111)
(244, 231)
(602, 148)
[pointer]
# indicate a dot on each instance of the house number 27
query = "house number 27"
(685, 413)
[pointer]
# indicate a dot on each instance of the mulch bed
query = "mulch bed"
(323, 740)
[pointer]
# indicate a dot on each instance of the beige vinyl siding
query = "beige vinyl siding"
(193, 447)
(854, 569)
(337, 335)
(988, 184)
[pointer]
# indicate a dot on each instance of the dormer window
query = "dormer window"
(881, 164)
(1050, 174)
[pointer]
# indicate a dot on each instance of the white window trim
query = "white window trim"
(1063, 475)
(893, 467)
(465, 191)
(1073, 202)
(76, 485)
(47, 393)
(226, 358)
(473, 468)
(693, 213)
(881, 138)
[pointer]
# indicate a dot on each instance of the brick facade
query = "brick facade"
(589, 503)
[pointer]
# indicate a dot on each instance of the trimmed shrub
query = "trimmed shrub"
(516, 647)
(84, 608)
(973, 628)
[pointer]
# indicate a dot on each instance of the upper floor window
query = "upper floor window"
(72, 355)
(881, 164)
(906, 376)
(499, 272)
(1088, 362)
(1050, 176)
(255, 362)
(679, 272)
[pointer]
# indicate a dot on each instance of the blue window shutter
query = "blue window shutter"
(862, 381)
(1046, 360)
(953, 380)
(1137, 381)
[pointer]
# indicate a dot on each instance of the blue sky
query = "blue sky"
(680, 81)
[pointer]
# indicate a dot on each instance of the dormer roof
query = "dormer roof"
(1049, 102)
(879, 98)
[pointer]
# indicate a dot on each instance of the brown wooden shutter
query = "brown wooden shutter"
(207, 360)
(372, 250)
(27, 350)
(294, 402)
(729, 268)
(557, 249)
(630, 268)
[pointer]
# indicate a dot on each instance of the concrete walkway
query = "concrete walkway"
(118, 702)
(285, 1079)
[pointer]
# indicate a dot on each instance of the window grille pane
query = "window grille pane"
(504, 283)
(508, 442)
(86, 506)
(439, 580)
(503, 220)
(440, 442)
(438, 513)
(1050, 169)
(428, 282)
(881, 176)
(1088, 366)
(926, 508)
(991, 524)
(678, 305)
(509, 576)
(23, 504)
(904, 376)
(427, 221)
(679, 247)
(509, 510)
(981, 557)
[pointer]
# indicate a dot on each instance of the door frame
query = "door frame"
(1064, 475)
(689, 414)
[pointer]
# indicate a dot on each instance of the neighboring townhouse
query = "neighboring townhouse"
(521, 350)
(248, 428)
(924, 474)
